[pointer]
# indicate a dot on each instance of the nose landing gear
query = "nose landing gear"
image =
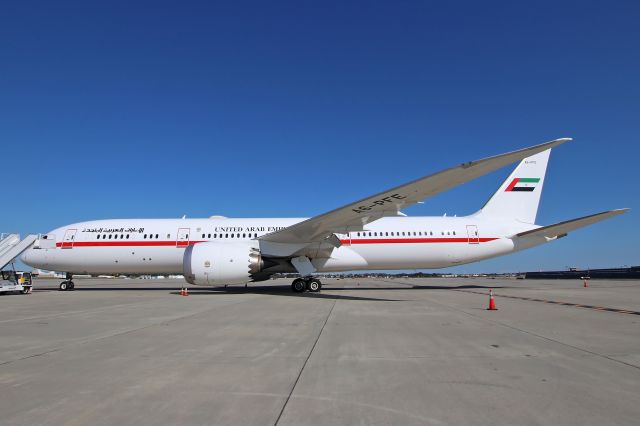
(299, 285)
(67, 284)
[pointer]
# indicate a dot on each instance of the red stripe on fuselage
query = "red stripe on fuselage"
(413, 240)
(128, 243)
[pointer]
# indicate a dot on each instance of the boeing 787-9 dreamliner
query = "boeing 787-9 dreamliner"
(370, 234)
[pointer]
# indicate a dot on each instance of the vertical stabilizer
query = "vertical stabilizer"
(518, 197)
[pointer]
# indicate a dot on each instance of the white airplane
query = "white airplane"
(370, 234)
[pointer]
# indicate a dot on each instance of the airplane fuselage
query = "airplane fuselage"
(156, 246)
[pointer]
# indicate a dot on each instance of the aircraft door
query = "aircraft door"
(68, 239)
(345, 238)
(472, 234)
(182, 239)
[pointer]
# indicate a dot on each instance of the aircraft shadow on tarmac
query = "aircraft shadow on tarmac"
(269, 290)
(285, 290)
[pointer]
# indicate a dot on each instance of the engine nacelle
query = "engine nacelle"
(221, 263)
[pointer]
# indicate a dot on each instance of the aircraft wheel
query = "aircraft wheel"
(71, 285)
(64, 285)
(314, 285)
(298, 285)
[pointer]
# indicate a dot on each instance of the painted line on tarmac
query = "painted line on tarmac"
(554, 302)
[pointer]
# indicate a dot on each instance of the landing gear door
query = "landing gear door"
(68, 239)
(472, 234)
(183, 237)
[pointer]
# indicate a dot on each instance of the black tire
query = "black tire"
(25, 290)
(298, 285)
(64, 285)
(71, 285)
(314, 285)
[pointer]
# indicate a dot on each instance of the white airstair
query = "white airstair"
(11, 246)
(7, 241)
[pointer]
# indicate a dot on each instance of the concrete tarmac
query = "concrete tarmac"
(371, 351)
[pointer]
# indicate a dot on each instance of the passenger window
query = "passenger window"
(127, 236)
(255, 235)
(244, 235)
(202, 236)
(98, 236)
(226, 235)
(145, 236)
(386, 234)
(109, 236)
(454, 232)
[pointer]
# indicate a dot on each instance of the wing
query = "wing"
(563, 228)
(353, 217)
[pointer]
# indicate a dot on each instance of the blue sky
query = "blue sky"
(276, 109)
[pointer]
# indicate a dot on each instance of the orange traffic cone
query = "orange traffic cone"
(586, 284)
(492, 302)
(182, 291)
(186, 292)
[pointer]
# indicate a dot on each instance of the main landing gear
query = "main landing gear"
(67, 284)
(299, 285)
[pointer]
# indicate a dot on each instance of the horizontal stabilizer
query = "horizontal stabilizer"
(563, 228)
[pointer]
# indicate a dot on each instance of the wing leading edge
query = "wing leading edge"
(354, 216)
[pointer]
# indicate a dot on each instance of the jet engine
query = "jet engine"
(216, 263)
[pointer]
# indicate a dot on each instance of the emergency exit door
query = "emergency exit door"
(183, 237)
(472, 234)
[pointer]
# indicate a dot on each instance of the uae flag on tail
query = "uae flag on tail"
(523, 184)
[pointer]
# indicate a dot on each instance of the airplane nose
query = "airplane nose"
(29, 257)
